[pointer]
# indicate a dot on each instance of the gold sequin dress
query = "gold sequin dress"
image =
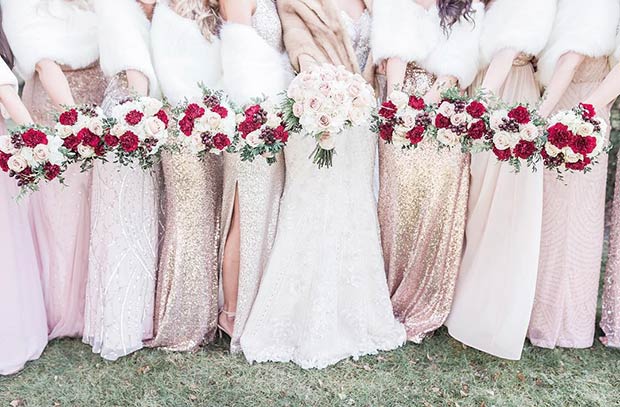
(259, 187)
(187, 282)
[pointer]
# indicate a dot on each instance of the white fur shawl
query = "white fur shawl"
(523, 25)
(124, 39)
(404, 29)
(588, 29)
(251, 67)
(6, 76)
(58, 31)
(182, 55)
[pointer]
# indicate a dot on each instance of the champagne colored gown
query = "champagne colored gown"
(23, 331)
(187, 284)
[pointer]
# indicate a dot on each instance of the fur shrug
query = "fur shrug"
(182, 55)
(406, 30)
(523, 25)
(251, 67)
(124, 39)
(588, 29)
(58, 31)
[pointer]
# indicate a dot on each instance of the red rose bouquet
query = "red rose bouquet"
(32, 154)
(517, 138)
(82, 128)
(403, 120)
(205, 126)
(574, 139)
(137, 131)
(262, 131)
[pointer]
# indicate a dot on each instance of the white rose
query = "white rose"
(151, 105)
(458, 118)
(17, 163)
(63, 131)
(85, 151)
(570, 156)
(314, 103)
(96, 126)
(118, 130)
(153, 127)
(502, 140)
(409, 119)
(497, 119)
(253, 139)
(273, 120)
(357, 116)
(41, 153)
(528, 132)
(552, 150)
(447, 137)
(298, 109)
(26, 154)
(400, 99)
(324, 122)
(361, 101)
(327, 142)
(6, 146)
(585, 129)
(446, 109)
(54, 144)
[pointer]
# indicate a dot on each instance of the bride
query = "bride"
(323, 297)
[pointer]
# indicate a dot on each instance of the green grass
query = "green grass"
(440, 372)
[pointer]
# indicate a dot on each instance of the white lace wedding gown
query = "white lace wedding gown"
(324, 297)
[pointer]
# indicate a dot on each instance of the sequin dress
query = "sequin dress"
(323, 296)
(123, 251)
(187, 280)
(572, 239)
(60, 215)
(422, 207)
(259, 186)
(497, 280)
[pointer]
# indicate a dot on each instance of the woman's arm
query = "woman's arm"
(55, 83)
(137, 82)
(498, 70)
(395, 69)
(442, 84)
(238, 11)
(607, 91)
(13, 104)
(562, 77)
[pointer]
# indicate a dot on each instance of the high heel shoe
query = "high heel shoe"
(229, 315)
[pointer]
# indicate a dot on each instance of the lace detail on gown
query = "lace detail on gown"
(323, 297)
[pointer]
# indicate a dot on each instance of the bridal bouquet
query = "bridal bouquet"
(403, 120)
(137, 131)
(324, 101)
(32, 154)
(81, 129)
(206, 126)
(461, 120)
(516, 136)
(263, 131)
(575, 138)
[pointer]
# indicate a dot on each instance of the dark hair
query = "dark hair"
(5, 49)
(452, 11)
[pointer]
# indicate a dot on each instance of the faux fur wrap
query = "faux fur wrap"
(522, 25)
(315, 28)
(6, 75)
(251, 67)
(182, 55)
(124, 39)
(588, 28)
(405, 29)
(57, 30)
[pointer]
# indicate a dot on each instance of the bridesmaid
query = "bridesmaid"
(124, 228)
(497, 280)
(185, 52)
(56, 50)
(572, 66)
(429, 46)
(253, 65)
(23, 331)
(602, 98)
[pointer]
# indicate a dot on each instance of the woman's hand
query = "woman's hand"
(14, 105)
(565, 70)
(395, 69)
(55, 83)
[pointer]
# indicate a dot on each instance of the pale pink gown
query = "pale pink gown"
(23, 327)
(572, 240)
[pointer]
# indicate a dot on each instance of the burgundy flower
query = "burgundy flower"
(100, 150)
(415, 135)
(163, 116)
(588, 110)
(281, 134)
(32, 138)
(502, 155)
(186, 125)
(133, 117)
(442, 122)
(221, 141)
(129, 142)
(110, 140)
(221, 110)
(386, 131)
(583, 145)
(251, 111)
(416, 103)
(71, 143)
(51, 171)
(520, 114)
(524, 149)
(88, 138)
(247, 126)
(68, 118)
(476, 109)
(559, 135)
(4, 161)
(387, 110)
(193, 111)
(579, 165)
(477, 130)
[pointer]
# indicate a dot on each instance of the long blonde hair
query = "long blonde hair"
(204, 12)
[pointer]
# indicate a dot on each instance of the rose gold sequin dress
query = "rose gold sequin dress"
(572, 239)
(259, 186)
(422, 205)
(60, 215)
(497, 280)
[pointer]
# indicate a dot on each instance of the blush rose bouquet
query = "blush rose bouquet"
(137, 131)
(325, 100)
(205, 126)
(574, 140)
(262, 131)
(403, 120)
(516, 136)
(32, 154)
(81, 129)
